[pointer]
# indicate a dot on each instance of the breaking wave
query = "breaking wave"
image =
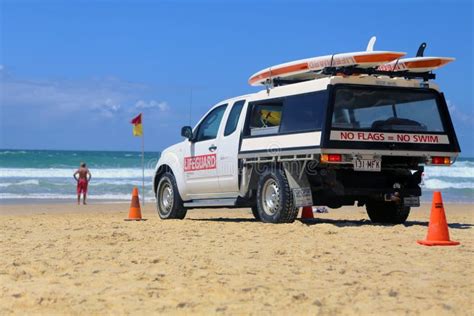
(107, 173)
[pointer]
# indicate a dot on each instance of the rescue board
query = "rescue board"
(271, 117)
(307, 68)
(416, 64)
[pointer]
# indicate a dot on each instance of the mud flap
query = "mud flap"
(299, 183)
(302, 197)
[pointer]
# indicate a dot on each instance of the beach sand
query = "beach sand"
(67, 259)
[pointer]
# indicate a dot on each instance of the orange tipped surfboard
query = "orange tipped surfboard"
(416, 64)
(419, 63)
(307, 68)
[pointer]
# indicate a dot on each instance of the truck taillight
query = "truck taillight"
(440, 160)
(331, 158)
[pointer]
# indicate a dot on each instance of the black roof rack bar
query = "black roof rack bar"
(351, 70)
(281, 82)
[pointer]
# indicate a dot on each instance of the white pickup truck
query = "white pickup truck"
(334, 141)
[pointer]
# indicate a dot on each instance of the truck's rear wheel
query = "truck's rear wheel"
(274, 198)
(168, 202)
(387, 212)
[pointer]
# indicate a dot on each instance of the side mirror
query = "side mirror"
(187, 132)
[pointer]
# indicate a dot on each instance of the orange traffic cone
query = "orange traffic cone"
(438, 233)
(307, 212)
(135, 213)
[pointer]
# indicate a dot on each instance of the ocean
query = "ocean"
(31, 175)
(48, 174)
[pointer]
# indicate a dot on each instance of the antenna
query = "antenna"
(421, 50)
(370, 45)
(190, 104)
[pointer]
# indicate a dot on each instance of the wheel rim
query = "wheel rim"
(271, 197)
(166, 198)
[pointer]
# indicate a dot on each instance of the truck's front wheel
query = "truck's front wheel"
(387, 212)
(255, 212)
(168, 202)
(274, 198)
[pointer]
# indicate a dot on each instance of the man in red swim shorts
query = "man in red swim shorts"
(84, 176)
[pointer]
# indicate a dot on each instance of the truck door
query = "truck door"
(227, 168)
(200, 157)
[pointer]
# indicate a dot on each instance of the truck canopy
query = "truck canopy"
(349, 116)
(390, 118)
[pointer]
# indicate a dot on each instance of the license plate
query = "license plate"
(368, 165)
(302, 197)
(412, 201)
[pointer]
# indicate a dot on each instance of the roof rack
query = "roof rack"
(352, 70)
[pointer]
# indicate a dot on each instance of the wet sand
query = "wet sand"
(68, 259)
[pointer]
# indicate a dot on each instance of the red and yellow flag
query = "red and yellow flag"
(137, 125)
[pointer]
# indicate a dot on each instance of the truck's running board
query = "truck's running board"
(211, 203)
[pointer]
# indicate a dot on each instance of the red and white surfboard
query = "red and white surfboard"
(306, 68)
(416, 64)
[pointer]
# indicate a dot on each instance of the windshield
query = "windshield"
(386, 110)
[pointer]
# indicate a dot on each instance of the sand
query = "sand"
(67, 259)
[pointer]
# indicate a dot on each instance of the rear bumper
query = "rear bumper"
(347, 184)
(277, 154)
(396, 153)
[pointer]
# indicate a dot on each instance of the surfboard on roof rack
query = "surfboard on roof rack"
(417, 64)
(310, 68)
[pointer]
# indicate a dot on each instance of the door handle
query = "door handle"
(212, 148)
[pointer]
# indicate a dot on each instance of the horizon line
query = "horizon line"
(116, 150)
(87, 150)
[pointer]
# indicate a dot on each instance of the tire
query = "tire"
(255, 213)
(168, 201)
(387, 212)
(274, 198)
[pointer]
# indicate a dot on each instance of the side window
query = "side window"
(303, 112)
(210, 125)
(265, 118)
(233, 119)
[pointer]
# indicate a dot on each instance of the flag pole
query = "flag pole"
(143, 166)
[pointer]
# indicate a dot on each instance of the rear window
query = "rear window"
(303, 112)
(386, 110)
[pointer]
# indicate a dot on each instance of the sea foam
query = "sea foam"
(107, 173)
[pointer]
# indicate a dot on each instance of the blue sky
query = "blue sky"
(73, 73)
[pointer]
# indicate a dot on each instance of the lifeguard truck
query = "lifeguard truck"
(344, 129)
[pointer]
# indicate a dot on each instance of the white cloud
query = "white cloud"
(458, 114)
(152, 104)
(105, 97)
(108, 107)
